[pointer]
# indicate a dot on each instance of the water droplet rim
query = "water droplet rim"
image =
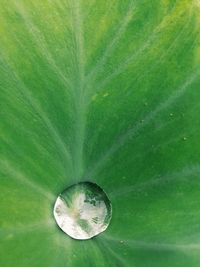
(98, 190)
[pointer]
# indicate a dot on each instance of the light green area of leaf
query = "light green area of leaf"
(105, 91)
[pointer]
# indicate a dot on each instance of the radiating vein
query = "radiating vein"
(179, 176)
(133, 56)
(20, 229)
(41, 114)
(117, 256)
(9, 169)
(137, 126)
(111, 46)
(158, 246)
(79, 101)
(41, 44)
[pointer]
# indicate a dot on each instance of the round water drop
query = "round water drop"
(83, 210)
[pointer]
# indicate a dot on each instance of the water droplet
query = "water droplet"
(83, 210)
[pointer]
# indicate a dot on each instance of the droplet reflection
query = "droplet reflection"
(83, 210)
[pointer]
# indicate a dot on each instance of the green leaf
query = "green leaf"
(107, 92)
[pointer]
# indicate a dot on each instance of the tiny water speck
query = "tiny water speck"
(83, 210)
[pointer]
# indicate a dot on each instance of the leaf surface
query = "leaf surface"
(107, 92)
